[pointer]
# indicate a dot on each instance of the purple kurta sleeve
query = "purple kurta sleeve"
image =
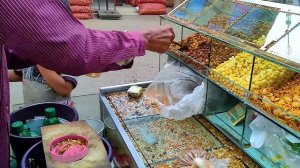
(44, 32)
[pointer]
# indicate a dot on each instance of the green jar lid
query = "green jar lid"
(50, 112)
(18, 126)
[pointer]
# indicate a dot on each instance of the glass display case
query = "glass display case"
(141, 138)
(247, 53)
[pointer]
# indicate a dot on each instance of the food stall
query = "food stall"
(247, 54)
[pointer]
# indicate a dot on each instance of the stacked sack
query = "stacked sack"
(152, 7)
(81, 9)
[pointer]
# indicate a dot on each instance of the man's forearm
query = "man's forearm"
(53, 38)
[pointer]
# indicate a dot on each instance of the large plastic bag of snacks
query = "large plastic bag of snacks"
(81, 9)
(176, 89)
(152, 9)
(164, 2)
(82, 15)
(80, 2)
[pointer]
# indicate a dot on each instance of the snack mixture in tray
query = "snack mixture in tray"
(160, 141)
(129, 108)
(195, 50)
(286, 97)
(238, 69)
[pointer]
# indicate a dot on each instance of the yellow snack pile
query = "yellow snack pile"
(238, 70)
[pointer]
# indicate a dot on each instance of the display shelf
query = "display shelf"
(245, 99)
(273, 18)
(216, 119)
(132, 138)
(121, 143)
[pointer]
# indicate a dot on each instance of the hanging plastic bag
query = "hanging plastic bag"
(261, 129)
(175, 90)
(280, 152)
(189, 105)
(171, 84)
(200, 158)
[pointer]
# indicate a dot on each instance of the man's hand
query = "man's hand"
(159, 39)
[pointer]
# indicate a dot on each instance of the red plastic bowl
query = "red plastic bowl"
(70, 155)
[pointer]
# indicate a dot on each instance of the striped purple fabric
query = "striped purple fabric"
(44, 32)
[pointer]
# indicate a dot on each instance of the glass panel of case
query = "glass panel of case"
(191, 9)
(229, 84)
(255, 26)
(218, 100)
(161, 139)
(222, 14)
(193, 50)
(225, 111)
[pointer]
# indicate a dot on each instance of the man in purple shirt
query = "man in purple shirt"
(44, 32)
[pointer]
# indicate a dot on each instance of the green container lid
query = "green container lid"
(18, 126)
(50, 112)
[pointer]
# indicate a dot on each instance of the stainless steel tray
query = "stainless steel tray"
(115, 131)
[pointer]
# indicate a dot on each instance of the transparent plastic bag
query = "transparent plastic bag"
(176, 89)
(280, 152)
(261, 129)
(171, 84)
(275, 142)
(200, 158)
(189, 105)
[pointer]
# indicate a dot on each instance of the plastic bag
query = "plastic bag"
(176, 89)
(199, 158)
(261, 129)
(274, 141)
(220, 163)
(280, 152)
(172, 84)
(189, 105)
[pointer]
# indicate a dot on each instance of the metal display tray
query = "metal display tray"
(115, 132)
